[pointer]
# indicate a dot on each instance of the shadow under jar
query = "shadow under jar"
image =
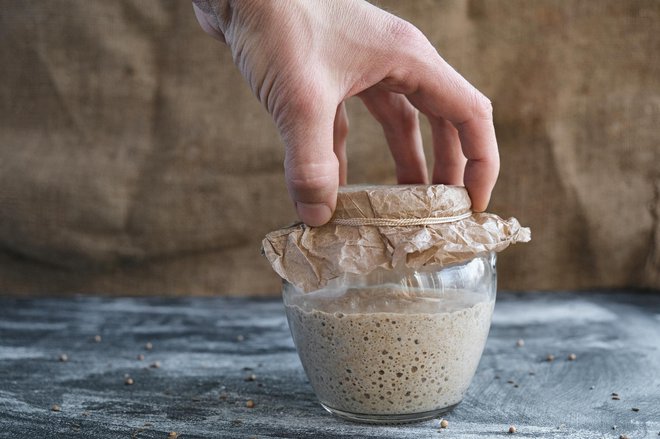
(394, 347)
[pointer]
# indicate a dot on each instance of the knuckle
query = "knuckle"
(311, 177)
(482, 107)
(402, 31)
(298, 98)
(301, 103)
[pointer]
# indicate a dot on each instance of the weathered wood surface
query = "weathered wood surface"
(200, 389)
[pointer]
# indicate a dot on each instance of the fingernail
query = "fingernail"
(314, 214)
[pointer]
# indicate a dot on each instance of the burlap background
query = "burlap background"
(134, 159)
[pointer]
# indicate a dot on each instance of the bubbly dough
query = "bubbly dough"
(387, 350)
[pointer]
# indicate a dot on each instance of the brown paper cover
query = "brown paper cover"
(309, 257)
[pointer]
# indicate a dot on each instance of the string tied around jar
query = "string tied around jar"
(399, 222)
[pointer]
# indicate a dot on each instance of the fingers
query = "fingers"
(442, 94)
(311, 166)
(340, 133)
(483, 161)
(449, 165)
(401, 126)
(438, 91)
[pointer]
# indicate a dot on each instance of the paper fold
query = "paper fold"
(309, 257)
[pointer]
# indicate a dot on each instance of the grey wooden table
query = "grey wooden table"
(207, 350)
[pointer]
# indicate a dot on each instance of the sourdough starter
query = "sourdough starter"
(388, 350)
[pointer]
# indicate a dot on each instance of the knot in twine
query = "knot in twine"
(399, 222)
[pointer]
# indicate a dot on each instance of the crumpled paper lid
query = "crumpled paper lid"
(308, 257)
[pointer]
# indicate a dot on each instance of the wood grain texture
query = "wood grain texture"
(200, 390)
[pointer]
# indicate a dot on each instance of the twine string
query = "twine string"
(398, 222)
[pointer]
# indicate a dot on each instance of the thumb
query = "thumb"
(311, 166)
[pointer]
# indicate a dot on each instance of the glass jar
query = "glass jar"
(394, 346)
(390, 302)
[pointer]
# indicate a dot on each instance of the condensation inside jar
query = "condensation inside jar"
(394, 346)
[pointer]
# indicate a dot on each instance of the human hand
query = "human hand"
(304, 58)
